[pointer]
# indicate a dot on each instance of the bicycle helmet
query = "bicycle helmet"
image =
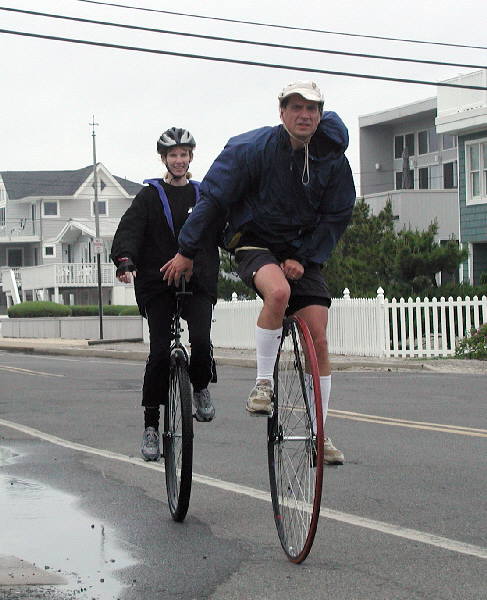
(175, 136)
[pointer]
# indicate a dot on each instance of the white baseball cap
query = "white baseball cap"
(307, 89)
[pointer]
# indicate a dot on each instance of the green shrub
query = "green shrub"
(130, 311)
(113, 310)
(51, 309)
(474, 345)
(38, 309)
(109, 310)
(81, 310)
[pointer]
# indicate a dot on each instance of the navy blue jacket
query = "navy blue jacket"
(257, 182)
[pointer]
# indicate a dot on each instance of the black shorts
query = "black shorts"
(310, 290)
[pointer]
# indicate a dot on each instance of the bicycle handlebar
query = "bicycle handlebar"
(183, 291)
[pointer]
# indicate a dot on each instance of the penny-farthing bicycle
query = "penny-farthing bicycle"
(178, 421)
(295, 441)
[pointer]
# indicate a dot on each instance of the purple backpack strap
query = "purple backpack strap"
(196, 185)
(164, 201)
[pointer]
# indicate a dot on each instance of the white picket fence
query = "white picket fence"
(369, 326)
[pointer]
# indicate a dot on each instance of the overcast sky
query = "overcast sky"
(50, 90)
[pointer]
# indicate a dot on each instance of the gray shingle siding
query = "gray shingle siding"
(473, 217)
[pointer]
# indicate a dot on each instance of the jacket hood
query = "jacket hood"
(334, 128)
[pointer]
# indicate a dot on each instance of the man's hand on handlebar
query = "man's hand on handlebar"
(292, 269)
(176, 267)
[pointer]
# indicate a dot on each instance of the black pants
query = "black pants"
(197, 311)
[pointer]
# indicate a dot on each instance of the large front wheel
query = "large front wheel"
(178, 440)
(295, 441)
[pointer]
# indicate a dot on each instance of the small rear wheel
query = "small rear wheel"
(178, 440)
(295, 441)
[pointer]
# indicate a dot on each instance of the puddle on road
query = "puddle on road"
(43, 526)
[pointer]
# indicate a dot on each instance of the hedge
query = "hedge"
(52, 309)
(38, 309)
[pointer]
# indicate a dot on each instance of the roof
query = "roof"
(74, 227)
(400, 113)
(129, 186)
(22, 184)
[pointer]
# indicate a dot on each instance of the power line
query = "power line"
(289, 27)
(242, 62)
(241, 41)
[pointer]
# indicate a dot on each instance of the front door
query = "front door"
(15, 257)
(67, 253)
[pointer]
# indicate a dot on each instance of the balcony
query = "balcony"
(417, 209)
(66, 275)
(20, 230)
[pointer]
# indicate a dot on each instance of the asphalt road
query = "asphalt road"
(404, 518)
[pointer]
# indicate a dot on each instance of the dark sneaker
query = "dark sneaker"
(205, 411)
(150, 444)
(259, 403)
(331, 455)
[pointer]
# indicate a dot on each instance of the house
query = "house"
(403, 159)
(48, 232)
(426, 158)
(463, 113)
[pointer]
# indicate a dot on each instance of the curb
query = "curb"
(137, 355)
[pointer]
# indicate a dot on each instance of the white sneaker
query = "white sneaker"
(331, 455)
(259, 403)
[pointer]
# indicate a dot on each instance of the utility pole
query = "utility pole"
(98, 245)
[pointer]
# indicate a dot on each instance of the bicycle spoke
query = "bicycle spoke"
(295, 474)
(178, 441)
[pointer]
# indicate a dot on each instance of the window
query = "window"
(476, 170)
(49, 251)
(423, 142)
(427, 141)
(101, 185)
(400, 183)
(432, 140)
(2, 217)
(398, 180)
(102, 208)
(450, 175)
(398, 146)
(423, 178)
(50, 209)
(449, 141)
(403, 140)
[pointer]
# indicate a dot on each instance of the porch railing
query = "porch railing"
(66, 275)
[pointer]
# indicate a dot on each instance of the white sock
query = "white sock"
(267, 343)
(325, 387)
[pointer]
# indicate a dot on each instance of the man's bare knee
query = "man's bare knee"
(278, 296)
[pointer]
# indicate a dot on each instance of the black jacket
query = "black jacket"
(144, 236)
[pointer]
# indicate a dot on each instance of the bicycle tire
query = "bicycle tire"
(295, 451)
(178, 439)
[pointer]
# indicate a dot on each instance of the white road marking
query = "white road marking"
(27, 371)
(349, 519)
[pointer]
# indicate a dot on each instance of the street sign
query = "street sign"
(98, 245)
